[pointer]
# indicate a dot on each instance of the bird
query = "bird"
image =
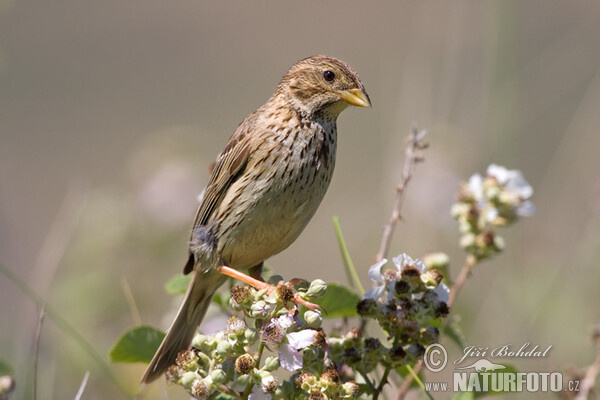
(263, 190)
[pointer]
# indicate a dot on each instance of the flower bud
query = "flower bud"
(199, 341)
(188, 378)
(439, 261)
(271, 364)
(251, 336)
(224, 348)
(260, 310)
(218, 376)
(313, 318)
(317, 288)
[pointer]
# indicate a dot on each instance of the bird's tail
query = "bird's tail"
(198, 296)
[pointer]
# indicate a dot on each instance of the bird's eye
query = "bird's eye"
(329, 76)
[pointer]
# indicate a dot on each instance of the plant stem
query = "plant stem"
(414, 155)
(465, 272)
(351, 273)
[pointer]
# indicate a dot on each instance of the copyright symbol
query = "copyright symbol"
(435, 357)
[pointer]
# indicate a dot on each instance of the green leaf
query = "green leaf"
(462, 396)
(224, 397)
(453, 331)
(137, 345)
(339, 301)
(5, 368)
(509, 369)
(222, 299)
(178, 284)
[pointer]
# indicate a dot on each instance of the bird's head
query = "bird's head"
(321, 84)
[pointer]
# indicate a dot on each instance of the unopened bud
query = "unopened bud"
(188, 378)
(313, 318)
(317, 288)
(218, 376)
(271, 364)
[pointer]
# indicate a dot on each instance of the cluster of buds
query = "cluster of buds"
(327, 386)
(498, 199)
(226, 359)
(408, 303)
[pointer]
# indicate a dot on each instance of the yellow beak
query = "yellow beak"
(356, 97)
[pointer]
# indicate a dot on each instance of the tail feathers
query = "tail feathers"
(191, 312)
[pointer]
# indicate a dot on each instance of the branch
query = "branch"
(587, 383)
(414, 155)
(464, 274)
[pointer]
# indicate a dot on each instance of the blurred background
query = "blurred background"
(111, 113)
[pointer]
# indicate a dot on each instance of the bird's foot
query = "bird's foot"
(283, 289)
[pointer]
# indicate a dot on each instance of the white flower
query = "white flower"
(443, 292)
(517, 189)
(403, 260)
(375, 271)
(259, 395)
(289, 356)
(475, 185)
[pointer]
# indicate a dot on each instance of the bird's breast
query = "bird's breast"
(281, 189)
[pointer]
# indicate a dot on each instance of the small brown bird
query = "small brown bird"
(265, 187)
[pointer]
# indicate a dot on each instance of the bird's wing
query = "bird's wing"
(228, 168)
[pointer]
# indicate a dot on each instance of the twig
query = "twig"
(587, 383)
(82, 386)
(414, 155)
(408, 381)
(36, 349)
(464, 274)
(135, 314)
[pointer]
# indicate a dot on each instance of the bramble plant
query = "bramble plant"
(270, 348)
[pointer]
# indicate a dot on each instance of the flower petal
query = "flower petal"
(443, 292)
(289, 358)
(375, 293)
(375, 271)
(526, 209)
(301, 339)
(475, 185)
(499, 172)
(259, 395)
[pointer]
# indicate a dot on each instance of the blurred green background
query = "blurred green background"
(112, 111)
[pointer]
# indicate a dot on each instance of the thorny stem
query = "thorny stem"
(367, 380)
(465, 272)
(414, 155)
(250, 385)
(384, 378)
